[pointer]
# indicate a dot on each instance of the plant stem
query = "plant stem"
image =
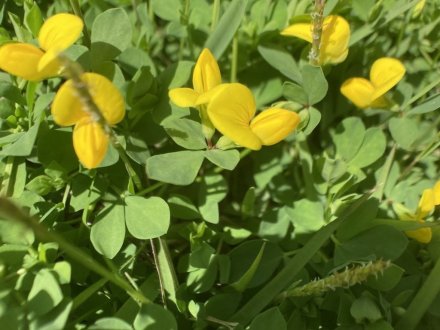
(422, 301)
(215, 14)
(77, 10)
(384, 174)
(234, 59)
(11, 212)
(317, 22)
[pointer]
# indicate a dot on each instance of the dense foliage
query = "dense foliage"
(235, 164)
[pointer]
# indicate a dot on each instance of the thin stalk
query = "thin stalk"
(184, 19)
(317, 22)
(384, 174)
(76, 7)
(151, 188)
(234, 59)
(10, 211)
(215, 14)
(159, 273)
(422, 301)
(422, 93)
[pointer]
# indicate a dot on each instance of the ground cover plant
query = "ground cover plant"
(234, 164)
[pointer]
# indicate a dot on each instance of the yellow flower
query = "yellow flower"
(29, 62)
(334, 38)
(232, 108)
(385, 73)
(418, 8)
(430, 198)
(90, 141)
(206, 76)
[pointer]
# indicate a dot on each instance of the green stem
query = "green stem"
(215, 14)
(422, 93)
(317, 22)
(234, 59)
(151, 188)
(184, 19)
(76, 7)
(87, 293)
(10, 211)
(384, 174)
(422, 301)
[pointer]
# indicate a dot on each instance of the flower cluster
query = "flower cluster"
(29, 62)
(231, 107)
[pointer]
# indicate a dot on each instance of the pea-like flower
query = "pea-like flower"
(206, 76)
(385, 73)
(334, 38)
(232, 108)
(430, 198)
(90, 141)
(30, 62)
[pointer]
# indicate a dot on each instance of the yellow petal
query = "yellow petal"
(67, 108)
(60, 31)
(49, 62)
(299, 30)
(90, 142)
(21, 60)
(231, 110)
(359, 91)
(273, 125)
(385, 73)
(106, 96)
(334, 40)
(426, 204)
(206, 73)
(422, 235)
(183, 97)
(437, 193)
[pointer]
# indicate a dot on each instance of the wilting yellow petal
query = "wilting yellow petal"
(90, 142)
(437, 193)
(60, 31)
(359, 91)
(231, 110)
(334, 40)
(299, 30)
(106, 96)
(67, 108)
(385, 73)
(21, 60)
(274, 124)
(426, 204)
(422, 235)
(206, 73)
(183, 97)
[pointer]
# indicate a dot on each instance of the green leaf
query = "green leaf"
(154, 317)
(106, 45)
(227, 159)
(110, 323)
(364, 309)
(314, 83)
(24, 145)
(45, 293)
(186, 133)
(248, 204)
(306, 216)
(372, 148)
(146, 218)
(179, 168)
(404, 131)
(281, 60)
(348, 137)
(228, 24)
(270, 319)
(378, 242)
(294, 92)
(168, 11)
(182, 207)
(33, 18)
(241, 284)
(387, 280)
(108, 232)
(432, 104)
